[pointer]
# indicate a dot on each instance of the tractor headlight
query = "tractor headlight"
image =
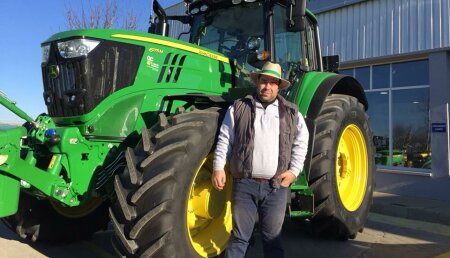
(253, 43)
(194, 11)
(203, 8)
(45, 53)
(76, 47)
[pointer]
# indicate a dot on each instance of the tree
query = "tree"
(109, 15)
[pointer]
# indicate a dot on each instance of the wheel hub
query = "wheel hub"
(343, 170)
(207, 202)
(209, 213)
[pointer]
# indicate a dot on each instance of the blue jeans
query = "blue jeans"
(250, 199)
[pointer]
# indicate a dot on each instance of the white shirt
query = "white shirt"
(266, 142)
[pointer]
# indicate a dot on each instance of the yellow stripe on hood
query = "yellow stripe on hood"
(174, 45)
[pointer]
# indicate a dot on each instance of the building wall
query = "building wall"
(176, 27)
(389, 32)
(385, 27)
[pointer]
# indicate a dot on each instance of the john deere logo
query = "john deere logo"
(53, 71)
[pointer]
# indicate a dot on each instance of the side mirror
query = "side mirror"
(296, 12)
(330, 63)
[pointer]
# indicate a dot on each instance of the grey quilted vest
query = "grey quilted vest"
(244, 118)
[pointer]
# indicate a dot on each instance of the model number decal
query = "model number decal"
(156, 50)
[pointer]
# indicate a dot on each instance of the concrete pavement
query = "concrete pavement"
(411, 208)
(398, 226)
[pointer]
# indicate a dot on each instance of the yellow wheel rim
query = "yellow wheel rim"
(208, 217)
(351, 167)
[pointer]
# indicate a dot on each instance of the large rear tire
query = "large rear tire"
(166, 205)
(342, 168)
(50, 222)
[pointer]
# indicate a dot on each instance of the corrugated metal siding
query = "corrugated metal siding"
(176, 27)
(385, 27)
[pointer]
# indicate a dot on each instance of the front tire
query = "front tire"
(342, 168)
(166, 204)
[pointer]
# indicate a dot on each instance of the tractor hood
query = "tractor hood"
(82, 68)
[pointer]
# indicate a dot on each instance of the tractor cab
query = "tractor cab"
(250, 33)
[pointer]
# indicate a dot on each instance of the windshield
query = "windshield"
(227, 31)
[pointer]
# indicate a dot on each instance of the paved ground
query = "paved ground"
(384, 236)
(412, 208)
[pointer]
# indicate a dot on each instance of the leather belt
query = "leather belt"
(261, 180)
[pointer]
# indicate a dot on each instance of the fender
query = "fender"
(337, 84)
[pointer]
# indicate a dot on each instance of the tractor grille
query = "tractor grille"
(172, 67)
(75, 86)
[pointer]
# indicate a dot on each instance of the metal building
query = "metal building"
(178, 29)
(400, 51)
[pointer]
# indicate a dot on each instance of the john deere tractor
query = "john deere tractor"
(132, 120)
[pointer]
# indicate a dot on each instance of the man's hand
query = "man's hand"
(218, 179)
(287, 177)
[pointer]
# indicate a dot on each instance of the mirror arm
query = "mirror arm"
(296, 13)
(290, 21)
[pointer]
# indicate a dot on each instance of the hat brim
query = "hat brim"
(283, 85)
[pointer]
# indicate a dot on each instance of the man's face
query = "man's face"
(267, 88)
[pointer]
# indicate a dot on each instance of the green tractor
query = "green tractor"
(133, 117)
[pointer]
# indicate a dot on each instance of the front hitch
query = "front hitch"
(9, 154)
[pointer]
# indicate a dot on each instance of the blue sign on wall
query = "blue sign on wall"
(438, 127)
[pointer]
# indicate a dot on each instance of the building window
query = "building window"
(399, 96)
(410, 73)
(381, 76)
(410, 125)
(362, 74)
(379, 121)
(347, 72)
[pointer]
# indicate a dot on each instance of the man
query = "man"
(267, 140)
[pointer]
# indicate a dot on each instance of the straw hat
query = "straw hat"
(272, 70)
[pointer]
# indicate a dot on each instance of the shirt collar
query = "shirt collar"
(259, 105)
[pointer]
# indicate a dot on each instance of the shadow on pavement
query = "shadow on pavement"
(98, 246)
(377, 240)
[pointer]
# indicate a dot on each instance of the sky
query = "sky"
(24, 24)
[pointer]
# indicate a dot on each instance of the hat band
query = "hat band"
(271, 72)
